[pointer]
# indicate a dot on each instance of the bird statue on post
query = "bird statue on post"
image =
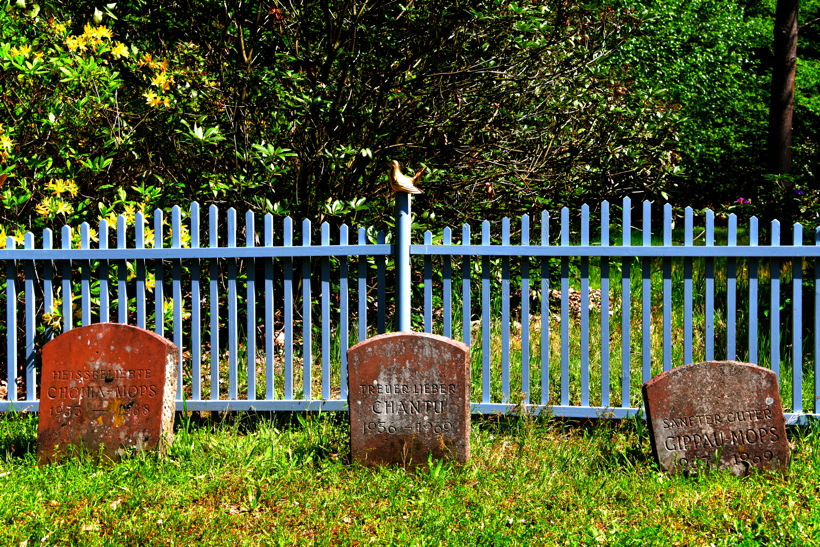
(399, 182)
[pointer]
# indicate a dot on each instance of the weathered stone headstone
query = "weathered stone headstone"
(720, 414)
(108, 386)
(409, 397)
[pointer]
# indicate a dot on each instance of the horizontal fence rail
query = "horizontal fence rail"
(568, 315)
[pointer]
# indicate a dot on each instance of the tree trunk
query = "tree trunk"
(782, 103)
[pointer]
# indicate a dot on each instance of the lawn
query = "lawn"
(286, 480)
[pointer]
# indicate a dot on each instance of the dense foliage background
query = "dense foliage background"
(297, 108)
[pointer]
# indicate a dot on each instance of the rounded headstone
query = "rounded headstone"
(721, 414)
(409, 399)
(106, 388)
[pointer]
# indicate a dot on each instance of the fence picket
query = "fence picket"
(428, 285)
(270, 323)
(213, 243)
(176, 227)
(362, 288)
(196, 310)
(797, 324)
(233, 320)
(667, 289)
(731, 292)
(31, 324)
(344, 315)
(817, 325)
(105, 301)
(307, 323)
(584, 308)
(139, 230)
(466, 301)
(122, 273)
(85, 277)
(68, 309)
(687, 289)
(774, 307)
(159, 277)
(710, 288)
(11, 324)
(250, 306)
(289, 304)
(605, 364)
(325, 314)
(564, 309)
(447, 287)
(505, 314)
(485, 316)
(48, 284)
(646, 295)
(525, 311)
(626, 303)
(545, 311)
(753, 296)
(381, 287)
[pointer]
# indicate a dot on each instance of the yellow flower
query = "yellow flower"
(149, 237)
(6, 143)
(76, 42)
(71, 188)
(119, 50)
(2, 129)
(103, 32)
(56, 187)
(167, 102)
(2, 238)
(151, 98)
(162, 80)
(22, 50)
(64, 208)
(42, 209)
(60, 27)
(150, 283)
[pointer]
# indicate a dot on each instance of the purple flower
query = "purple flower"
(800, 192)
(743, 201)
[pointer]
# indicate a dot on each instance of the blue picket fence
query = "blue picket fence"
(265, 323)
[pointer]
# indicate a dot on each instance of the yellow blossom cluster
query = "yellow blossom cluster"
(53, 319)
(6, 144)
(19, 237)
(52, 206)
(24, 50)
(59, 187)
(91, 37)
(161, 80)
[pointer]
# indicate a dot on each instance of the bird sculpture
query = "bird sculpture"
(399, 182)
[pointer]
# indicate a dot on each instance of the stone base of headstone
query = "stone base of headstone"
(107, 389)
(409, 399)
(719, 414)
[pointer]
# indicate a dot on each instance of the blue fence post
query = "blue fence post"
(402, 257)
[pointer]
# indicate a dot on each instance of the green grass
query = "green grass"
(529, 482)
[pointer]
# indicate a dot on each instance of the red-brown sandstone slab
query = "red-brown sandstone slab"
(106, 387)
(720, 414)
(409, 398)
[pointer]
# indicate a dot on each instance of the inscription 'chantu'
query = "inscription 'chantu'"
(408, 407)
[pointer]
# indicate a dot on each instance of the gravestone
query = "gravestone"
(720, 414)
(409, 397)
(106, 388)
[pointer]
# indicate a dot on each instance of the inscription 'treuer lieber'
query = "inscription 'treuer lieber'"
(106, 387)
(409, 399)
(720, 414)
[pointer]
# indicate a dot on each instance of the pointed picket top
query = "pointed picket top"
(28, 240)
(564, 226)
(428, 237)
(213, 226)
(48, 238)
(584, 224)
(485, 233)
(343, 234)
(505, 231)
(605, 224)
(647, 224)
(688, 222)
(250, 229)
(85, 236)
(139, 230)
(268, 230)
(362, 233)
(447, 235)
(306, 232)
(775, 233)
(176, 227)
(465, 234)
(159, 217)
(287, 228)
(65, 237)
(667, 225)
(231, 227)
(545, 228)
(103, 233)
(525, 229)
